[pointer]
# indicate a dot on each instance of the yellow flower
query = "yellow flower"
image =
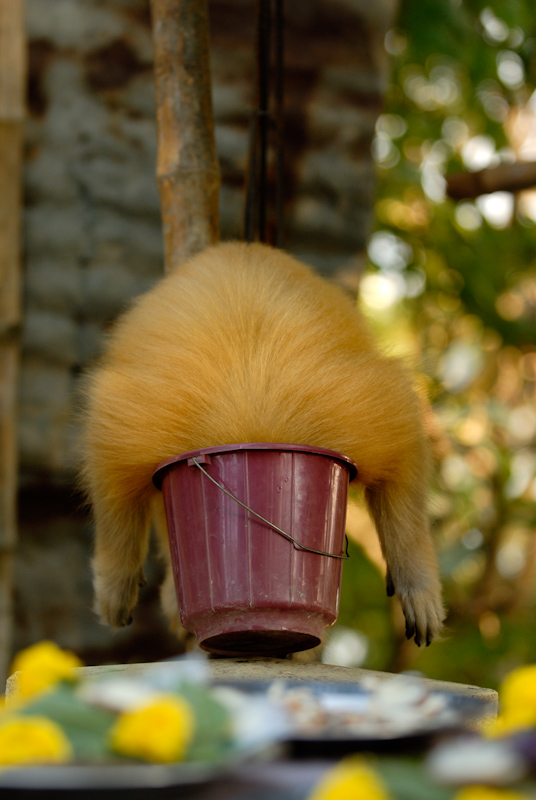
(157, 731)
(32, 740)
(41, 666)
(518, 690)
(351, 779)
(487, 793)
(510, 723)
(517, 695)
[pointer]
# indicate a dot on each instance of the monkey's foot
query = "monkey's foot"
(424, 614)
(116, 595)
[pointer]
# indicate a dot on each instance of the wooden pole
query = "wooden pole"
(12, 99)
(188, 174)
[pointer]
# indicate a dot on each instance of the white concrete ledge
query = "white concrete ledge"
(484, 701)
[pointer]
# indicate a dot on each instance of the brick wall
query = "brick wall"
(92, 237)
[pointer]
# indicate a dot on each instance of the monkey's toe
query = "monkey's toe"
(142, 580)
(410, 630)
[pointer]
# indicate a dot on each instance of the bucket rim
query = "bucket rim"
(164, 466)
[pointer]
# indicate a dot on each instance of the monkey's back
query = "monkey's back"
(243, 344)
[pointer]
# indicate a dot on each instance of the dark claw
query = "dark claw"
(389, 585)
(418, 640)
(410, 630)
(130, 620)
(428, 639)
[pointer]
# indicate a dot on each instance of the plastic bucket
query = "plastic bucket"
(243, 587)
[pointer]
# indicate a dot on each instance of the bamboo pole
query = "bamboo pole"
(12, 98)
(188, 175)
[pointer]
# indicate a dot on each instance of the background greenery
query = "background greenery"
(453, 285)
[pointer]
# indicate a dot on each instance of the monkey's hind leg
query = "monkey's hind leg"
(121, 545)
(398, 512)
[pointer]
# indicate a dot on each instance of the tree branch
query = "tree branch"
(505, 178)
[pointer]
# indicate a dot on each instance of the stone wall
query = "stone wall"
(92, 237)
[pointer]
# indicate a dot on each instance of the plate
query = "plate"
(117, 781)
(132, 780)
(344, 718)
(106, 776)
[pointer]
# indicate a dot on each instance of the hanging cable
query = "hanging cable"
(279, 121)
(264, 122)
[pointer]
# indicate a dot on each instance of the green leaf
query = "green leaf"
(407, 780)
(85, 726)
(213, 734)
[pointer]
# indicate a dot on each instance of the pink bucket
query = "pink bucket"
(251, 586)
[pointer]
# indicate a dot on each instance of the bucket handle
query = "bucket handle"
(298, 544)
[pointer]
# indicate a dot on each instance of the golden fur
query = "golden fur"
(244, 344)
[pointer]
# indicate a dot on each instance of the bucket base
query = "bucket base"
(259, 643)
(260, 631)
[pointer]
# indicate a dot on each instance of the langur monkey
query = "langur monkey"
(242, 343)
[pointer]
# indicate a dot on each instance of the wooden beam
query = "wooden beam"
(12, 100)
(188, 174)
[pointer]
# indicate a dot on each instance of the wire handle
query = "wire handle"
(298, 544)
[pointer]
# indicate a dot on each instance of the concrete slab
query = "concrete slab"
(484, 701)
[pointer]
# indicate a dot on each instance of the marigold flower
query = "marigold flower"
(487, 793)
(517, 695)
(351, 779)
(42, 665)
(518, 690)
(32, 740)
(157, 731)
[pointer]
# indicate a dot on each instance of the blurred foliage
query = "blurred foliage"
(462, 97)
